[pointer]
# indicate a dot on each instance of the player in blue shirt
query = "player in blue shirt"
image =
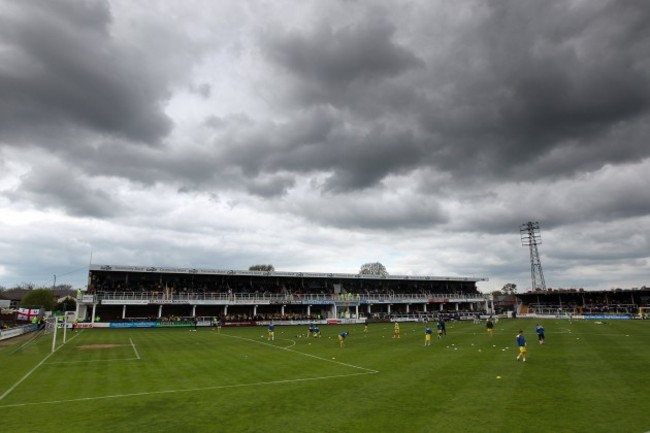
(342, 336)
(439, 330)
(521, 343)
(316, 332)
(427, 336)
(271, 331)
(540, 333)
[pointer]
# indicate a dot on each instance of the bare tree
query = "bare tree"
(509, 289)
(375, 268)
(266, 268)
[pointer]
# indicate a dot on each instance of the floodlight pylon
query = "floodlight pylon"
(531, 237)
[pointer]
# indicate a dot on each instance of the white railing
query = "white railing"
(280, 298)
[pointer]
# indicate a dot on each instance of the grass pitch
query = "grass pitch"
(587, 377)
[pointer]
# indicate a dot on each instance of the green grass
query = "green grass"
(588, 377)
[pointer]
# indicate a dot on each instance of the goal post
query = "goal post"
(68, 318)
(51, 325)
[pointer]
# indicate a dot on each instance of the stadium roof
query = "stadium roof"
(197, 271)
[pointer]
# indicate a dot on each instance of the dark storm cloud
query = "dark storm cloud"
(62, 66)
(55, 186)
(474, 94)
(529, 78)
(356, 159)
(271, 187)
(357, 68)
(366, 162)
(422, 131)
(497, 94)
(328, 62)
(392, 214)
(318, 141)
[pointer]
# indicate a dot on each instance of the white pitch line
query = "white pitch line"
(137, 355)
(135, 350)
(302, 353)
(175, 391)
(6, 393)
(366, 371)
(92, 361)
(22, 379)
(293, 343)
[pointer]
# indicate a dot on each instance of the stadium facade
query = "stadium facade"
(148, 293)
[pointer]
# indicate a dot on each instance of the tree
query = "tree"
(39, 297)
(375, 268)
(509, 289)
(67, 304)
(265, 268)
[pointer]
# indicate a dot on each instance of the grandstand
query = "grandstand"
(585, 304)
(127, 293)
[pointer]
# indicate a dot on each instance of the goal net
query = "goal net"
(50, 324)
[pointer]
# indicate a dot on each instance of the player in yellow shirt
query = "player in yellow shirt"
(342, 336)
(396, 331)
(271, 331)
(521, 343)
(489, 325)
(439, 330)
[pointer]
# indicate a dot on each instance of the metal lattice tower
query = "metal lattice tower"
(531, 237)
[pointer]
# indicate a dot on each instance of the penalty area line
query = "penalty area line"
(90, 361)
(320, 358)
(176, 391)
(137, 355)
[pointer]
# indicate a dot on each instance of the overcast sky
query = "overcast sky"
(322, 135)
